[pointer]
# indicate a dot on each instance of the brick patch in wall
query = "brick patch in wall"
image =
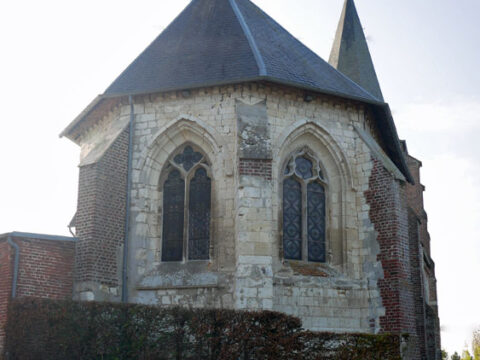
(389, 214)
(256, 167)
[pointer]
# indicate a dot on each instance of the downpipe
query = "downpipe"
(15, 266)
(127, 210)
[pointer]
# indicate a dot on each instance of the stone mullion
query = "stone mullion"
(186, 226)
(304, 221)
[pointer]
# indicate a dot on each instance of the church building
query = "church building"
(229, 166)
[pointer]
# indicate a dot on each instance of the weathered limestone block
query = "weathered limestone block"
(247, 133)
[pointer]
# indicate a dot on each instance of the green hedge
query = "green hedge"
(44, 329)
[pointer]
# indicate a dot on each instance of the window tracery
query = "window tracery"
(304, 209)
(186, 200)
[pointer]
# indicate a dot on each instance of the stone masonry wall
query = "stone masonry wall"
(247, 133)
(164, 123)
(222, 122)
(6, 272)
(100, 222)
(344, 295)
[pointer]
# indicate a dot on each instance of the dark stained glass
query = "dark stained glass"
(188, 158)
(303, 167)
(199, 216)
(292, 219)
(173, 217)
(316, 222)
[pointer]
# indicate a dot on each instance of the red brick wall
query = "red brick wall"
(415, 192)
(6, 272)
(256, 167)
(100, 218)
(45, 268)
(427, 321)
(415, 200)
(417, 280)
(389, 214)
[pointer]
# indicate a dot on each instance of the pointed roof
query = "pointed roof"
(215, 42)
(350, 54)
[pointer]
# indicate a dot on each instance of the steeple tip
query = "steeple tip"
(350, 54)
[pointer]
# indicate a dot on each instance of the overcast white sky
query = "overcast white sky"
(57, 55)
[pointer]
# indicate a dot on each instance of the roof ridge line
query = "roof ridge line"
(251, 41)
(307, 64)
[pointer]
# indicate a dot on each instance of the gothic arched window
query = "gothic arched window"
(304, 209)
(186, 201)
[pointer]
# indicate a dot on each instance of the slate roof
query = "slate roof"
(350, 54)
(215, 42)
(226, 41)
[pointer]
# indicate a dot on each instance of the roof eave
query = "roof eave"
(36, 236)
(68, 131)
(371, 101)
(395, 150)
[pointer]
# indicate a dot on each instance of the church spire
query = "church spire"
(350, 54)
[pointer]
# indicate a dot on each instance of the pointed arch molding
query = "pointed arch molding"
(338, 173)
(182, 130)
(314, 128)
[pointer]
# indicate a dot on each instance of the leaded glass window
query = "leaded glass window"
(187, 193)
(304, 209)
(173, 210)
(199, 215)
(292, 219)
